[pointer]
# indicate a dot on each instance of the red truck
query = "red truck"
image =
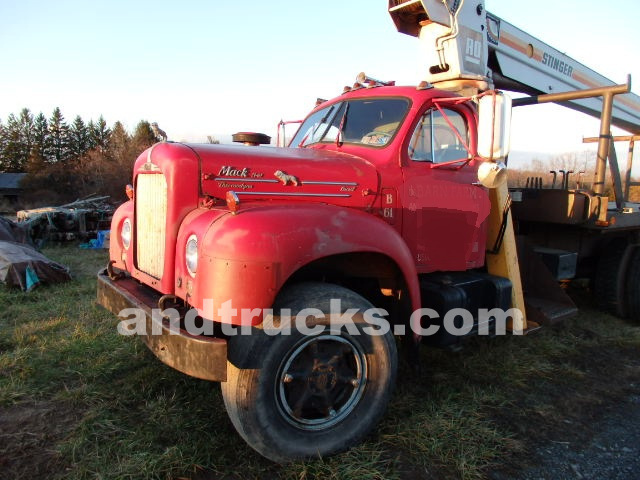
(376, 203)
(364, 204)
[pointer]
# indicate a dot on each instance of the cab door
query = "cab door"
(444, 211)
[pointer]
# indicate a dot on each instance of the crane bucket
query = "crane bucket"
(408, 14)
(453, 41)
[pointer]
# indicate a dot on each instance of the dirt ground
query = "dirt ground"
(612, 453)
(594, 433)
(28, 435)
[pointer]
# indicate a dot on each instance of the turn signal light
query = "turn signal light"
(492, 174)
(233, 202)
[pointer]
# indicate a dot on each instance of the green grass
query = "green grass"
(89, 403)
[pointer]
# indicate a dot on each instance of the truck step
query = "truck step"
(545, 300)
(547, 310)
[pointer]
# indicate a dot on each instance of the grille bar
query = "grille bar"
(151, 214)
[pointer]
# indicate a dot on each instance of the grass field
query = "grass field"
(79, 401)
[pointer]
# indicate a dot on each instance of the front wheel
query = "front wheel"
(310, 395)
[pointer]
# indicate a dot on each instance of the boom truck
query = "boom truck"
(387, 196)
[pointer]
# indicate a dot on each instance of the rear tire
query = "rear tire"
(609, 282)
(632, 294)
(299, 396)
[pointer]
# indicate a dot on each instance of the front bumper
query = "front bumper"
(197, 356)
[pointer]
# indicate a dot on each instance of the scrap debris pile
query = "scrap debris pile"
(79, 220)
(21, 265)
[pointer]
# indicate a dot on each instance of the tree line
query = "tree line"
(68, 161)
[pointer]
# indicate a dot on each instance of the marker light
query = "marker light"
(233, 202)
(492, 174)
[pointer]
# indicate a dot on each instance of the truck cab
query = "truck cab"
(384, 156)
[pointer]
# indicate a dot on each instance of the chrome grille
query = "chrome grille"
(151, 214)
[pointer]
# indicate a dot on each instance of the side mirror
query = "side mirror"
(494, 126)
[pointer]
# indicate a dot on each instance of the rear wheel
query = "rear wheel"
(632, 294)
(609, 281)
(299, 396)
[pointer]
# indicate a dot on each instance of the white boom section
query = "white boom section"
(467, 47)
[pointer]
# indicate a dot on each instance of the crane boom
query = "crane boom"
(467, 47)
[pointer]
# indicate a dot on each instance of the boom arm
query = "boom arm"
(470, 48)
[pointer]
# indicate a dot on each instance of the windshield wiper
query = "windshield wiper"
(315, 130)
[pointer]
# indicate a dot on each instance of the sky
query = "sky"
(216, 67)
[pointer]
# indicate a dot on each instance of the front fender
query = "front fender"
(247, 258)
(122, 257)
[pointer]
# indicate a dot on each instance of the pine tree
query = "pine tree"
(119, 144)
(27, 132)
(17, 139)
(40, 136)
(79, 135)
(58, 148)
(11, 148)
(143, 136)
(91, 127)
(100, 135)
(3, 143)
(37, 159)
(13, 154)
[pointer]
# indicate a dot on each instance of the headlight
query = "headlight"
(125, 233)
(191, 255)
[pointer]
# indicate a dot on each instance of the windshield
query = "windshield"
(371, 122)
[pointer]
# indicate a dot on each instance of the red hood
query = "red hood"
(258, 173)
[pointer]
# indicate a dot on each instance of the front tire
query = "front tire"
(300, 396)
